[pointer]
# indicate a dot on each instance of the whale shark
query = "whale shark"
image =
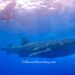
(43, 49)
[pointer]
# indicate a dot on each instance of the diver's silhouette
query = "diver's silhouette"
(8, 12)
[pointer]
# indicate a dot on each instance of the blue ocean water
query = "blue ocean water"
(12, 65)
(40, 28)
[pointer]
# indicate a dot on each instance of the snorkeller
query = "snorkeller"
(8, 12)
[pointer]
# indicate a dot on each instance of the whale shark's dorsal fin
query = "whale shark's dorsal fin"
(24, 41)
(10, 45)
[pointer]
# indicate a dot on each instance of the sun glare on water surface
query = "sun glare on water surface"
(49, 5)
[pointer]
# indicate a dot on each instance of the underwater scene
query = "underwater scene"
(37, 37)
